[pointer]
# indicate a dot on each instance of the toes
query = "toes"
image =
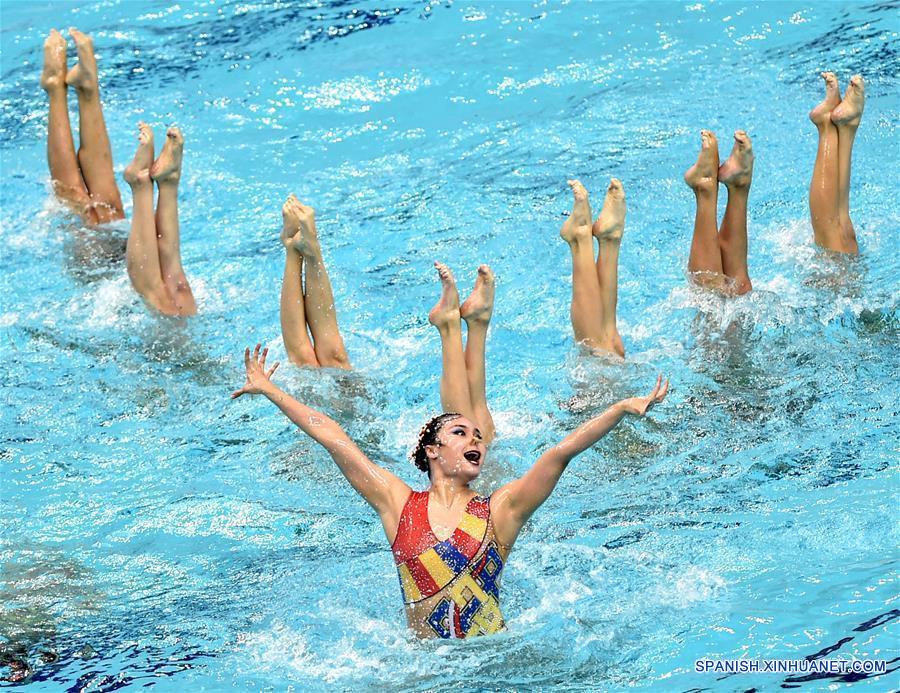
(54, 39)
(578, 189)
(83, 42)
(443, 271)
(174, 134)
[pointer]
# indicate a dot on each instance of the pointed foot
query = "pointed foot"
(578, 226)
(822, 112)
(704, 175)
(610, 224)
(849, 111)
(446, 310)
(53, 75)
(479, 306)
(167, 168)
(737, 171)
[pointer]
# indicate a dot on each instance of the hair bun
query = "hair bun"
(429, 436)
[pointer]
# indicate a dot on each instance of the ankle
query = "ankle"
(580, 240)
(87, 92)
(706, 190)
(54, 86)
(312, 253)
(477, 321)
(139, 187)
(738, 189)
(449, 326)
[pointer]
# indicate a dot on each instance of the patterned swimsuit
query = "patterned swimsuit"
(451, 588)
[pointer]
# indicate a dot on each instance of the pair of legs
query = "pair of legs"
(153, 253)
(829, 191)
(463, 371)
(85, 181)
(595, 282)
(312, 308)
(718, 256)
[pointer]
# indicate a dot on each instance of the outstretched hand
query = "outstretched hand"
(641, 405)
(257, 375)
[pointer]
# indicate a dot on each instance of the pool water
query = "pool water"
(156, 533)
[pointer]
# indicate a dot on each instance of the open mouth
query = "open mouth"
(472, 456)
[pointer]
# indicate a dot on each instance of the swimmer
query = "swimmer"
(85, 182)
(718, 258)
(463, 387)
(829, 191)
(313, 308)
(449, 543)
(153, 252)
(595, 283)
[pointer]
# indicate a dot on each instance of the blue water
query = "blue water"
(156, 533)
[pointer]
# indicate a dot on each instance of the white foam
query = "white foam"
(111, 302)
(683, 589)
(361, 90)
(9, 319)
(282, 647)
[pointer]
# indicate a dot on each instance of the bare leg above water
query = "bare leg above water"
(94, 154)
(476, 310)
(586, 309)
(142, 252)
(824, 188)
(736, 174)
(705, 261)
(608, 230)
(455, 395)
(318, 303)
(166, 171)
(64, 170)
(846, 117)
(297, 343)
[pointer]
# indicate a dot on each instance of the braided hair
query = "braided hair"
(429, 436)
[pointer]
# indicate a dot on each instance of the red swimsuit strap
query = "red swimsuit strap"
(414, 531)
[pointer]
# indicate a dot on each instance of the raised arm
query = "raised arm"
(513, 504)
(384, 491)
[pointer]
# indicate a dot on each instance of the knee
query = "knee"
(180, 282)
(160, 298)
(742, 286)
(304, 356)
(706, 279)
(335, 358)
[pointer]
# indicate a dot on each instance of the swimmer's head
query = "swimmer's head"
(453, 442)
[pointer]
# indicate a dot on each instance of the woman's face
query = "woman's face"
(459, 451)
